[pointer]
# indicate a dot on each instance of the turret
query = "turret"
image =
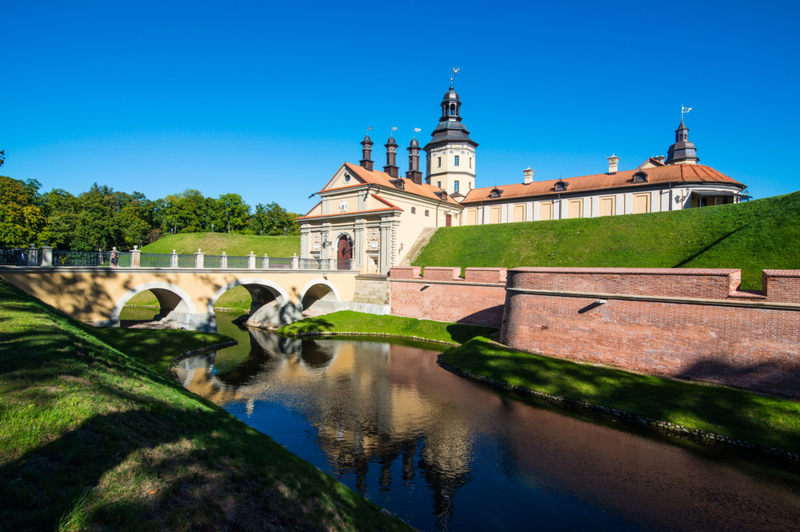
(366, 151)
(391, 157)
(413, 162)
(683, 151)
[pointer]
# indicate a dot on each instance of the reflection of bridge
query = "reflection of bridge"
(96, 294)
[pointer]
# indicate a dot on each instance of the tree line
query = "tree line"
(102, 217)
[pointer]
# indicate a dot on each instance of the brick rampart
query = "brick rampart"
(443, 296)
(665, 331)
(691, 324)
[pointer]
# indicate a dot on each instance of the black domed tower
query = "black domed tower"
(683, 151)
(451, 153)
(366, 150)
(391, 157)
(413, 162)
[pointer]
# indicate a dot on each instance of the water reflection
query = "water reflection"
(443, 452)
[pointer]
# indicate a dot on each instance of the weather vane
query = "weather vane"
(684, 110)
(455, 71)
(416, 130)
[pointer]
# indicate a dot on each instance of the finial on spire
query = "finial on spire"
(455, 71)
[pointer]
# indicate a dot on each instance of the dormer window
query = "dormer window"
(561, 186)
(398, 183)
(495, 193)
(640, 177)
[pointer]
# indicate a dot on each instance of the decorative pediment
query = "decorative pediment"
(344, 177)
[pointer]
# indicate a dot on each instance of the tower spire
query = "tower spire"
(683, 151)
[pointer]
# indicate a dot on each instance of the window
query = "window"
(427, 213)
(413, 210)
(640, 177)
(455, 186)
(439, 184)
(470, 185)
(470, 162)
(440, 162)
(456, 160)
(561, 186)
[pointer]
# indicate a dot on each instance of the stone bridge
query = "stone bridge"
(96, 294)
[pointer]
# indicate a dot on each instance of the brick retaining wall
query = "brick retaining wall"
(691, 324)
(444, 296)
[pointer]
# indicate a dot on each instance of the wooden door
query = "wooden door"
(448, 221)
(345, 253)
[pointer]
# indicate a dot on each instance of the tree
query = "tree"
(234, 211)
(22, 222)
(61, 208)
(271, 219)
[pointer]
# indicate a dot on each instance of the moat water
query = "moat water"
(445, 453)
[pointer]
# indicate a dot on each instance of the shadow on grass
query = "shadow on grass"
(766, 421)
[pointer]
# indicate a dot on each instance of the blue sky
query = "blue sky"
(268, 99)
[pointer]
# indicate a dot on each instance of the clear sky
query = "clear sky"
(267, 99)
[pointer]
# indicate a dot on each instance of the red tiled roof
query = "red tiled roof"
(381, 178)
(679, 173)
(386, 202)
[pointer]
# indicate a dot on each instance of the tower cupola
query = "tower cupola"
(413, 162)
(391, 157)
(450, 152)
(683, 151)
(366, 151)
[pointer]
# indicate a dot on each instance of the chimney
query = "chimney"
(528, 175)
(613, 161)
(413, 162)
(366, 150)
(391, 157)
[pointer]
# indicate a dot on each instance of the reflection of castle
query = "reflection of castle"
(362, 399)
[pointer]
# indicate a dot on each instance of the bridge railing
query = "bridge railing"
(47, 256)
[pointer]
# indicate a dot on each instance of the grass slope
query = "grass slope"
(91, 438)
(766, 421)
(350, 321)
(756, 235)
(235, 245)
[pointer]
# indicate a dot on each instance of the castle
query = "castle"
(369, 219)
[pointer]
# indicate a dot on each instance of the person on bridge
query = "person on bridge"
(22, 260)
(114, 257)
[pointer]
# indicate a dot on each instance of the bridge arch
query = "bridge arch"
(170, 297)
(262, 291)
(319, 290)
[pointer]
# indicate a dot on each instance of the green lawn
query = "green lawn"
(762, 420)
(751, 236)
(235, 245)
(349, 321)
(95, 436)
(237, 298)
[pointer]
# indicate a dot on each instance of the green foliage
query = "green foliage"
(22, 222)
(763, 420)
(98, 437)
(349, 321)
(755, 235)
(235, 212)
(272, 219)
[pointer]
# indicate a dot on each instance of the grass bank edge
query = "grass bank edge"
(348, 321)
(763, 420)
(67, 393)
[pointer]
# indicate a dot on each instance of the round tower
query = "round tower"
(450, 152)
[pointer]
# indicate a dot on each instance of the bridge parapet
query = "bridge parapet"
(48, 257)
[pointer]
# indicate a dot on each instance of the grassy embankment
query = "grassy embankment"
(756, 235)
(761, 420)
(91, 438)
(347, 321)
(237, 298)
